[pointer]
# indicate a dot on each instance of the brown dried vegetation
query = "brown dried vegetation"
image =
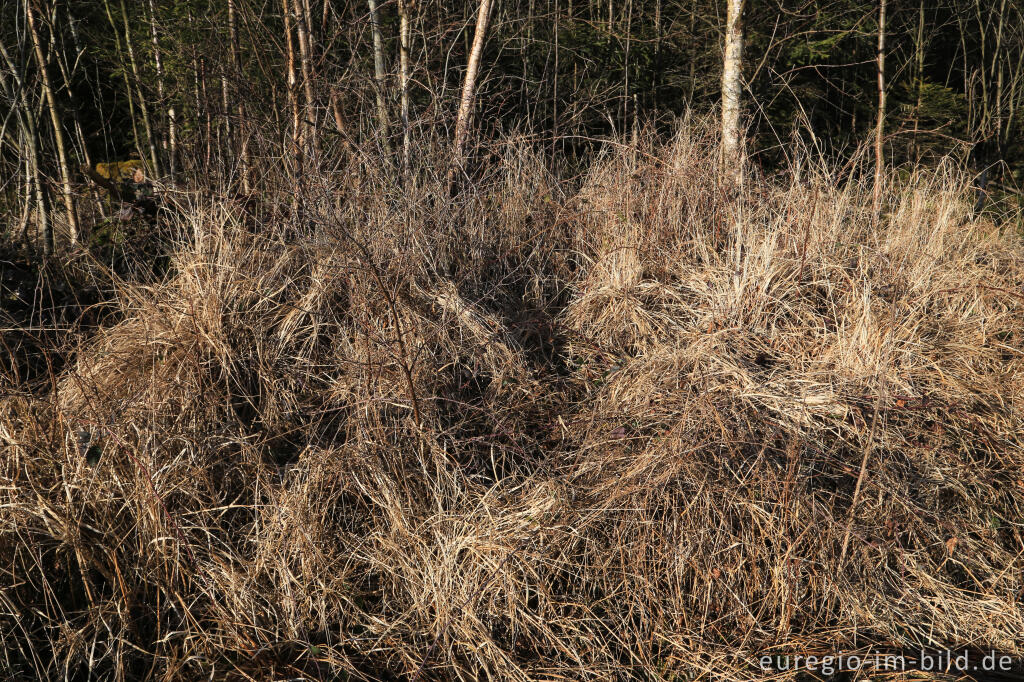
(532, 433)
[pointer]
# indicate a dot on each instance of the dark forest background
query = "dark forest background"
(562, 72)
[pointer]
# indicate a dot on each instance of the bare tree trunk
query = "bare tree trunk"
(197, 103)
(43, 228)
(468, 98)
(379, 75)
(42, 200)
(243, 131)
(1016, 91)
(625, 80)
(310, 33)
(915, 150)
(554, 89)
(143, 107)
(26, 211)
(339, 118)
(998, 67)
(732, 86)
(880, 125)
(305, 63)
(201, 83)
(171, 142)
(34, 187)
(128, 90)
(58, 131)
(225, 146)
(733, 152)
(67, 71)
(658, 77)
(302, 30)
(293, 99)
(403, 35)
(197, 99)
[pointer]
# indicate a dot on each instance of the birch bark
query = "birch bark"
(58, 130)
(733, 152)
(465, 115)
(880, 124)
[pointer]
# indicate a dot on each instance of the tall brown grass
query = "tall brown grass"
(534, 432)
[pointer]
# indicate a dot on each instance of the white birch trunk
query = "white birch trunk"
(305, 62)
(468, 98)
(143, 106)
(58, 130)
(161, 92)
(403, 57)
(733, 151)
(236, 63)
(293, 98)
(34, 182)
(880, 125)
(379, 74)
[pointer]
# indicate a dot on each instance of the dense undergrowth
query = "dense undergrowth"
(537, 431)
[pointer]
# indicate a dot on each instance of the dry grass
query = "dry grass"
(534, 433)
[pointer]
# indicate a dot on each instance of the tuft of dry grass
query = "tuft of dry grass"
(535, 432)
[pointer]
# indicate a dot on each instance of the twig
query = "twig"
(860, 478)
